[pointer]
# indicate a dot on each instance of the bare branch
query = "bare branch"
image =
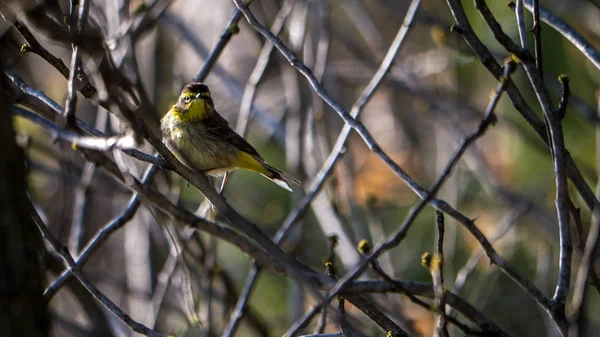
(395, 239)
(581, 284)
(537, 36)
(77, 28)
(330, 162)
(559, 158)
(64, 253)
(437, 273)
(88, 142)
(101, 237)
(567, 31)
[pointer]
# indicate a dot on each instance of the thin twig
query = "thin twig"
(242, 302)
(566, 162)
(537, 36)
(255, 77)
(581, 283)
(488, 327)
(260, 67)
(241, 127)
(184, 274)
(80, 204)
(521, 25)
(210, 264)
(101, 237)
(231, 29)
(34, 46)
(156, 199)
(82, 191)
(505, 224)
(365, 248)
(77, 29)
(158, 294)
(56, 110)
(64, 253)
(437, 271)
(242, 122)
(558, 150)
(333, 241)
(88, 142)
(568, 32)
(580, 240)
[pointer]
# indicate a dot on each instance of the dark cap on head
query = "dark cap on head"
(196, 88)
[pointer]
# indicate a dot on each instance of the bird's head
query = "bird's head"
(194, 104)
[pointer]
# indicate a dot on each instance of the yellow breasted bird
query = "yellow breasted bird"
(199, 137)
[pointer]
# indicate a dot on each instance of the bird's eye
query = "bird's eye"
(186, 99)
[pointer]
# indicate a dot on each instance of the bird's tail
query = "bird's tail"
(277, 176)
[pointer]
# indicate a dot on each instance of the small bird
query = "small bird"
(200, 138)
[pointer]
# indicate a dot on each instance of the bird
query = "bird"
(202, 139)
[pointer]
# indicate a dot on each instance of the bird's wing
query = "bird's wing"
(218, 127)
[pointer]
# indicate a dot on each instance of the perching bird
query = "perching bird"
(199, 137)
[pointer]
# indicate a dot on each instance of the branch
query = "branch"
(489, 328)
(241, 125)
(198, 180)
(521, 25)
(537, 36)
(34, 46)
(260, 67)
(231, 29)
(564, 163)
(559, 158)
(88, 142)
(581, 283)
(101, 236)
(505, 224)
(302, 272)
(365, 248)
(84, 8)
(399, 234)
(437, 273)
(568, 32)
(326, 169)
(422, 193)
(64, 253)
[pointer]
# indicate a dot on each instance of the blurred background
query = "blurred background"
(435, 94)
